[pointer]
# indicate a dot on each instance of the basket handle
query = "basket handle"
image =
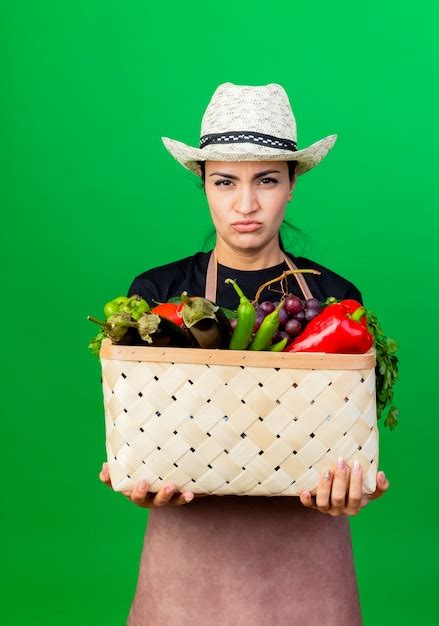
(212, 277)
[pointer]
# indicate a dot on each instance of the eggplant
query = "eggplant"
(169, 334)
(206, 322)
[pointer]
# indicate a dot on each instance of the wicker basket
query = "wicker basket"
(236, 422)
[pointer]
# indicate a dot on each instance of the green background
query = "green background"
(90, 198)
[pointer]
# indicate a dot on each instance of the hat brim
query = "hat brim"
(307, 158)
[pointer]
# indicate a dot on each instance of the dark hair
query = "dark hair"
(292, 166)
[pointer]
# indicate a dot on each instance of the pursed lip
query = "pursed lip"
(245, 222)
(246, 226)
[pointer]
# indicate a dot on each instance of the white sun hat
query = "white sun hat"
(249, 123)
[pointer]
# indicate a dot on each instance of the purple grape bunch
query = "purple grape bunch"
(293, 316)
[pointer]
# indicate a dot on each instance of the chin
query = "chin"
(248, 241)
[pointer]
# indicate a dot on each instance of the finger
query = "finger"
(382, 486)
(182, 498)
(307, 499)
(339, 487)
(323, 495)
(355, 490)
(104, 475)
(163, 496)
(140, 495)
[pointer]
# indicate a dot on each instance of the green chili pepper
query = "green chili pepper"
(242, 334)
(267, 330)
(279, 346)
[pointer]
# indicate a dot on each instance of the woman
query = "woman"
(236, 560)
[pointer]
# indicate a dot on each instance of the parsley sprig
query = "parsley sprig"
(386, 370)
(95, 343)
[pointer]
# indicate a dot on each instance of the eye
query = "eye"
(227, 183)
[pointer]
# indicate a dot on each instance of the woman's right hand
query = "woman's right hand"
(139, 495)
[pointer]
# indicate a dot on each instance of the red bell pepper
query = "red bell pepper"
(339, 328)
(351, 305)
(170, 311)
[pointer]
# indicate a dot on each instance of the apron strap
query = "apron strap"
(299, 277)
(212, 277)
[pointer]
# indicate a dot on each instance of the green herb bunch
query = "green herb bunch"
(386, 371)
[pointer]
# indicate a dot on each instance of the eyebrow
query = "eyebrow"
(258, 175)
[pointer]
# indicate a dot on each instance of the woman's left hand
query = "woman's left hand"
(339, 491)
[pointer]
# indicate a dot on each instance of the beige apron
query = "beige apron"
(245, 560)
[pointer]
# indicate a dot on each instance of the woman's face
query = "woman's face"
(247, 200)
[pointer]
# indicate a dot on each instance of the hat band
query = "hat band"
(243, 136)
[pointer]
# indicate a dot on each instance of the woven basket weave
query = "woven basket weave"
(236, 422)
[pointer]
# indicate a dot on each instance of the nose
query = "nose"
(246, 202)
